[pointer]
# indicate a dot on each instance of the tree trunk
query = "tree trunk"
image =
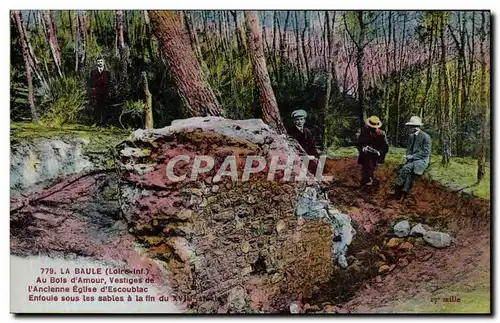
(240, 34)
(188, 22)
(428, 79)
(126, 26)
(401, 66)
(275, 31)
(445, 95)
(119, 32)
(239, 41)
(264, 36)
(387, 84)
(460, 74)
(148, 106)
(52, 40)
(297, 48)
(267, 100)
(284, 45)
(70, 22)
(304, 49)
(77, 40)
(359, 63)
(481, 159)
(80, 37)
(284, 42)
(195, 93)
(148, 34)
(16, 17)
(222, 34)
(83, 36)
(463, 41)
(275, 42)
(330, 74)
(394, 70)
(471, 54)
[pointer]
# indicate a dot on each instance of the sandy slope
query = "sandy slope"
(434, 279)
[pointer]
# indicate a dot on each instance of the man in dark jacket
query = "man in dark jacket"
(302, 134)
(416, 159)
(372, 146)
(99, 88)
(304, 137)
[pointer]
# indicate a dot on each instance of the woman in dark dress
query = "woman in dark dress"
(372, 146)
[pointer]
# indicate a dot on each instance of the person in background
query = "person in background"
(416, 159)
(302, 134)
(99, 88)
(372, 146)
(304, 137)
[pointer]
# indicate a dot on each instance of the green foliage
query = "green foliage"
(431, 23)
(232, 80)
(135, 108)
(18, 95)
(336, 125)
(412, 96)
(132, 110)
(65, 102)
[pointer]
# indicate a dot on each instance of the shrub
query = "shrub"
(65, 102)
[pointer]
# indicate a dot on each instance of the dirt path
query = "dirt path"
(424, 279)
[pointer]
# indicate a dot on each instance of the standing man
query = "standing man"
(303, 135)
(416, 159)
(99, 85)
(372, 146)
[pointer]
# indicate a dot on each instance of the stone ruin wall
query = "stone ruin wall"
(228, 246)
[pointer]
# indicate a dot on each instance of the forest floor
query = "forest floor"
(422, 279)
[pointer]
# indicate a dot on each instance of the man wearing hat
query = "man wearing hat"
(416, 159)
(302, 134)
(372, 146)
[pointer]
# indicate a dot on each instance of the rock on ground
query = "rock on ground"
(437, 239)
(418, 230)
(242, 244)
(65, 202)
(32, 163)
(402, 228)
(42, 158)
(296, 307)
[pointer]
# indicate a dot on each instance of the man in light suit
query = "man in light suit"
(416, 159)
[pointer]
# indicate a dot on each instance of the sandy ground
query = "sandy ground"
(434, 279)
(24, 272)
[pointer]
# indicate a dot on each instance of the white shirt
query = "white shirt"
(415, 134)
(100, 69)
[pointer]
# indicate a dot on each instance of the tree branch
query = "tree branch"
(349, 33)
